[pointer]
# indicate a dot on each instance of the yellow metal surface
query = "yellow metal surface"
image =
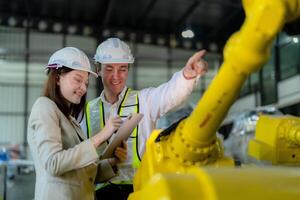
(157, 159)
(248, 183)
(170, 169)
(277, 140)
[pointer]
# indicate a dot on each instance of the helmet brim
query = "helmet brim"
(80, 69)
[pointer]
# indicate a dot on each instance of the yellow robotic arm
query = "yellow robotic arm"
(174, 161)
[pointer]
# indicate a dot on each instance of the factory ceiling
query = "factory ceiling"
(144, 21)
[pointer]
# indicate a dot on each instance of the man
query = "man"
(113, 58)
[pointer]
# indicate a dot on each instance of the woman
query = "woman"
(65, 161)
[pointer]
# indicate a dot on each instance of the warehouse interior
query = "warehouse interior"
(162, 36)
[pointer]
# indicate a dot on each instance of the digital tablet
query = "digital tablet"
(123, 133)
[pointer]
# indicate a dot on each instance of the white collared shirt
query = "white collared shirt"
(154, 102)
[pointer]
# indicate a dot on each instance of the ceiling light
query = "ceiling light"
(213, 47)
(161, 41)
(199, 45)
(147, 39)
(57, 27)
(72, 29)
(42, 25)
(105, 33)
(187, 34)
(187, 44)
(25, 23)
(87, 30)
(173, 42)
(132, 36)
(120, 34)
(12, 21)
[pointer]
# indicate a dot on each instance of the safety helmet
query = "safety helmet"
(70, 57)
(113, 50)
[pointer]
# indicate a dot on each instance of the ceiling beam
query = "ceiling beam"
(147, 11)
(189, 11)
(236, 4)
(225, 22)
(108, 13)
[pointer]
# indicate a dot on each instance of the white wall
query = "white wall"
(240, 105)
(12, 75)
(289, 91)
(288, 94)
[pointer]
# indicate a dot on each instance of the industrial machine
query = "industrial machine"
(243, 130)
(187, 161)
(281, 146)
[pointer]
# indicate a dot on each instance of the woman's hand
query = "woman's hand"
(111, 126)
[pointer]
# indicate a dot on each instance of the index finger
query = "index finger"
(196, 57)
(117, 119)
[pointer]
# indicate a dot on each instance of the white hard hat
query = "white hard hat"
(113, 50)
(70, 57)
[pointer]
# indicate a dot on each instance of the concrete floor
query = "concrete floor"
(20, 187)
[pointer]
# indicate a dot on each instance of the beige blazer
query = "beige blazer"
(65, 166)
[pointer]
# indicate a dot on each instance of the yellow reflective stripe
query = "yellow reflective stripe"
(88, 118)
(135, 160)
(123, 182)
(101, 185)
(101, 113)
(124, 100)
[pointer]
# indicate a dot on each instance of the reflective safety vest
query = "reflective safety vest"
(95, 119)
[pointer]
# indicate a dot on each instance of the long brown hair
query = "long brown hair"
(52, 91)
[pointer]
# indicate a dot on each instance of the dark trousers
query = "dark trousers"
(114, 192)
